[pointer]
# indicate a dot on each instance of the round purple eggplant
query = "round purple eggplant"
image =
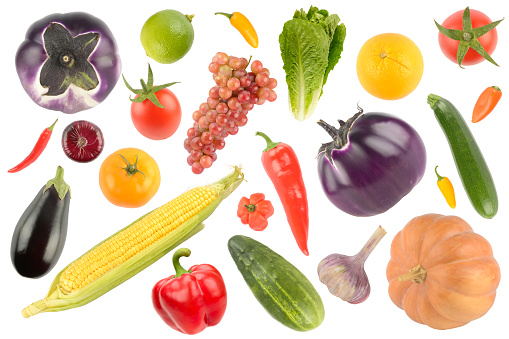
(374, 160)
(39, 236)
(68, 62)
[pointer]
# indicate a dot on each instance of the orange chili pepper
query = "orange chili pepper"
(487, 101)
(445, 186)
(244, 26)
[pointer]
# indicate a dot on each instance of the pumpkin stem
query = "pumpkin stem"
(416, 274)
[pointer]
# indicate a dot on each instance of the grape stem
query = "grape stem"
(248, 62)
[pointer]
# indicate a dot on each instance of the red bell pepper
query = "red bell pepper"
(190, 301)
(282, 166)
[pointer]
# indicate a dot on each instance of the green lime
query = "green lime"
(167, 36)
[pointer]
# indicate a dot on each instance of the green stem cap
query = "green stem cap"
(148, 90)
(131, 169)
(182, 252)
(468, 37)
(58, 182)
(270, 143)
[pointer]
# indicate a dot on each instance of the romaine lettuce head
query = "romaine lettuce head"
(311, 45)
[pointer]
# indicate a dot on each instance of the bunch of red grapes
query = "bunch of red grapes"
(235, 94)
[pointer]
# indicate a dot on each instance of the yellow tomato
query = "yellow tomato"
(129, 177)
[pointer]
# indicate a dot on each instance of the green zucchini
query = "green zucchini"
(472, 167)
(285, 293)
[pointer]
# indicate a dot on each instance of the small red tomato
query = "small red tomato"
(157, 123)
(450, 46)
(255, 211)
(155, 111)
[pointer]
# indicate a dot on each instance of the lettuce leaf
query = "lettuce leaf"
(335, 49)
(311, 45)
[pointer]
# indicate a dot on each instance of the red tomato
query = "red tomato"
(450, 47)
(157, 123)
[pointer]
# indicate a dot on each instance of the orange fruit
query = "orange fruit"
(389, 66)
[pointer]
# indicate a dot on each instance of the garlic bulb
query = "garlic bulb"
(344, 275)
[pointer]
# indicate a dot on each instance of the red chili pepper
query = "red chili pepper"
(190, 301)
(255, 211)
(487, 101)
(282, 167)
(37, 151)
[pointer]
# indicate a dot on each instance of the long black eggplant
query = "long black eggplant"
(40, 233)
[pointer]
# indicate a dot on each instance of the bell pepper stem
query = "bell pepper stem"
(182, 252)
(250, 208)
(270, 144)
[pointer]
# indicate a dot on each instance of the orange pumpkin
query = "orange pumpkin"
(442, 273)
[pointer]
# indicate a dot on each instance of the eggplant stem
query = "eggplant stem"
(58, 182)
(339, 136)
(333, 131)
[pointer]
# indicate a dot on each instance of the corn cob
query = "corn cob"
(134, 247)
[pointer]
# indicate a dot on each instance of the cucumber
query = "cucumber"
(472, 167)
(285, 293)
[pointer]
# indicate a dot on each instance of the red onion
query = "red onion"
(344, 275)
(82, 141)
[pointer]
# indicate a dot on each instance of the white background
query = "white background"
(127, 310)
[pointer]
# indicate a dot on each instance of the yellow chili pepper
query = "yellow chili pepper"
(445, 186)
(244, 26)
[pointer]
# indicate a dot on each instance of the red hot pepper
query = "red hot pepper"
(190, 301)
(37, 151)
(282, 166)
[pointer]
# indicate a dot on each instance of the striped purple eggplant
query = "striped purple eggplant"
(68, 62)
(374, 160)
